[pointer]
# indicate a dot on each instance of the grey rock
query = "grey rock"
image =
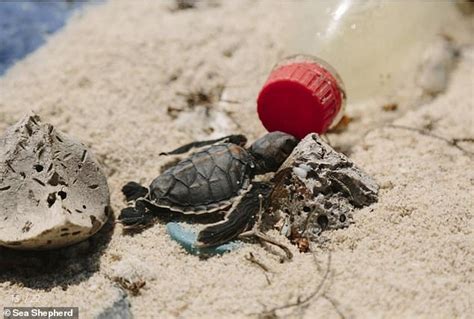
(52, 190)
(317, 188)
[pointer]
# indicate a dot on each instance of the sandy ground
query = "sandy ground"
(123, 79)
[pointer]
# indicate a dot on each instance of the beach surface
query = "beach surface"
(133, 79)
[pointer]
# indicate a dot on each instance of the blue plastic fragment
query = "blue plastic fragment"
(186, 237)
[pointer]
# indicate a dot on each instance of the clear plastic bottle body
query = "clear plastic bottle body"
(374, 45)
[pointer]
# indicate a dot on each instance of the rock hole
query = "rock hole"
(58, 138)
(55, 180)
(76, 233)
(39, 146)
(306, 209)
(84, 206)
(29, 131)
(62, 194)
(26, 228)
(40, 153)
(84, 155)
(184, 5)
(10, 167)
(51, 199)
(93, 186)
(78, 211)
(323, 221)
(107, 211)
(38, 168)
(327, 205)
(312, 174)
(316, 191)
(23, 175)
(342, 218)
(4, 188)
(65, 234)
(39, 182)
(64, 229)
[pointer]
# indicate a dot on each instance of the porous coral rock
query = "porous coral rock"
(317, 188)
(52, 190)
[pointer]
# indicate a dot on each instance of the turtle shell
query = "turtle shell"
(207, 181)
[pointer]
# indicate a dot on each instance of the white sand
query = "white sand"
(109, 78)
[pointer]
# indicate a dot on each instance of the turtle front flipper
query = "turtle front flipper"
(234, 139)
(238, 219)
(132, 217)
(141, 215)
(134, 191)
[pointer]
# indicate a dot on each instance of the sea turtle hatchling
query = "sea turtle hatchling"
(217, 179)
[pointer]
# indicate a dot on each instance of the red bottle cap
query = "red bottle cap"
(300, 98)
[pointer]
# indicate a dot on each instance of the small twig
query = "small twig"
(261, 265)
(335, 306)
(254, 260)
(300, 301)
(459, 140)
(255, 232)
(452, 142)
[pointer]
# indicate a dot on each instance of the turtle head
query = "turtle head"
(271, 150)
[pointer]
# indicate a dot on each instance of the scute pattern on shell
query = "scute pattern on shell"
(52, 191)
(205, 182)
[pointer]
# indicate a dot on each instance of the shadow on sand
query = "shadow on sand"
(55, 268)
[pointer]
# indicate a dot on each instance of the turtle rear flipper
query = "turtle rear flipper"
(237, 220)
(131, 216)
(134, 191)
(234, 139)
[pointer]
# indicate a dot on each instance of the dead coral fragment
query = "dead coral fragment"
(317, 188)
(52, 191)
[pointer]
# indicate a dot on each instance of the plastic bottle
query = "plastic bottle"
(374, 45)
